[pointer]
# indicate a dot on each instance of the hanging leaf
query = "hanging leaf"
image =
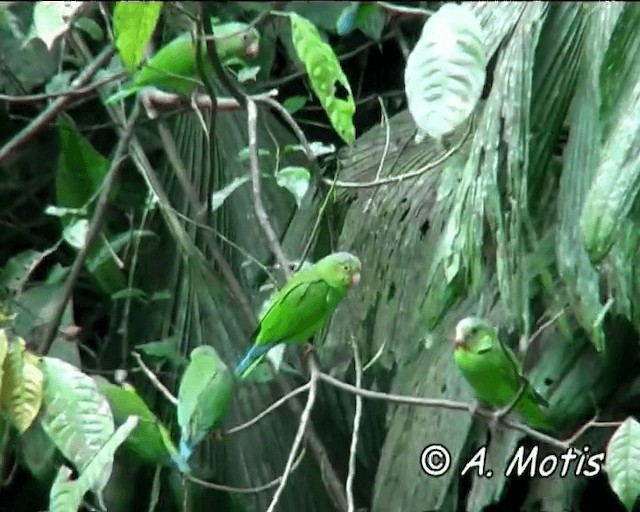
(21, 393)
(76, 416)
(75, 233)
(66, 494)
(295, 180)
(325, 74)
(133, 26)
(446, 70)
(623, 470)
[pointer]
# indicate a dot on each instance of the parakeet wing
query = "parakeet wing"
(514, 373)
(205, 386)
(297, 311)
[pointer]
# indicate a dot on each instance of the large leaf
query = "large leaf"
(133, 25)
(623, 470)
(66, 495)
(325, 74)
(21, 384)
(445, 72)
(76, 416)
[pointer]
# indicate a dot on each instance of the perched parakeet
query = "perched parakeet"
(302, 306)
(204, 395)
(174, 66)
(493, 371)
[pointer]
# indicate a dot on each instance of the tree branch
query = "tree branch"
(261, 214)
(94, 228)
(154, 380)
(55, 107)
(304, 419)
(356, 428)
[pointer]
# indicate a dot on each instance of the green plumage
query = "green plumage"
(204, 395)
(173, 68)
(493, 371)
(302, 306)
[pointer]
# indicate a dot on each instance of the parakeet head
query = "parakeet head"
(243, 40)
(340, 269)
(471, 332)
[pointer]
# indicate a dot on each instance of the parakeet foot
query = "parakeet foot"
(217, 434)
(473, 408)
(308, 349)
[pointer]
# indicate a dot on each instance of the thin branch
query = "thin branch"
(406, 176)
(268, 410)
(261, 214)
(55, 107)
(154, 380)
(592, 423)
(444, 404)
(246, 490)
(94, 229)
(74, 93)
(387, 142)
(356, 429)
(544, 326)
(402, 9)
(304, 420)
(157, 99)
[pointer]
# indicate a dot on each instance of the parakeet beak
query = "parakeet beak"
(253, 50)
(355, 279)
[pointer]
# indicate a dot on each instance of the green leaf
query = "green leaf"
(129, 293)
(166, 349)
(623, 454)
(89, 27)
(16, 271)
(66, 495)
(75, 233)
(294, 103)
(147, 441)
(325, 74)
(59, 82)
(370, 19)
(218, 198)
(445, 71)
(76, 416)
(295, 180)
(51, 20)
(133, 25)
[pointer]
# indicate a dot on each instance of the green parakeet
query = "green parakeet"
(173, 67)
(204, 395)
(302, 306)
(493, 371)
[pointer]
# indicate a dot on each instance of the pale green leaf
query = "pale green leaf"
(218, 198)
(295, 180)
(445, 71)
(66, 495)
(622, 456)
(76, 416)
(51, 20)
(133, 25)
(248, 74)
(294, 103)
(75, 233)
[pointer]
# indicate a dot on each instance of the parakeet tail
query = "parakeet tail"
(252, 359)
(181, 459)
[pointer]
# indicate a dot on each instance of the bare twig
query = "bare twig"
(444, 404)
(304, 419)
(387, 141)
(74, 93)
(545, 325)
(261, 214)
(406, 10)
(406, 176)
(268, 410)
(356, 429)
(246, 490)
(592, 423)
(157, 99)
(55, 107)
(94, 229)
(154, 380)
